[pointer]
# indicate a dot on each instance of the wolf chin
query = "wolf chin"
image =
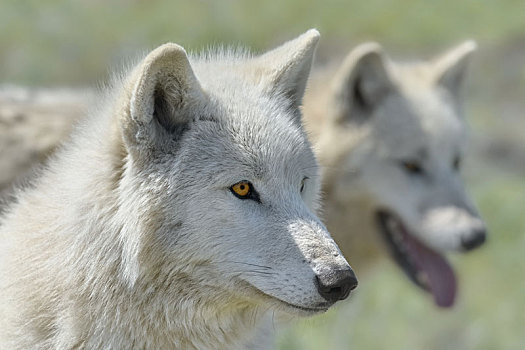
(391, 137)
(179, 215)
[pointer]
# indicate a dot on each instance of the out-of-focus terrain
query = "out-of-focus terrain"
(33, 123)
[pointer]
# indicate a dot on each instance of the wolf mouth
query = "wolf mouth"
(309, 310)
(320, 308)
(423, 265)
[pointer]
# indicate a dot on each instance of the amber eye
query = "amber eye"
(412, 167)
(242, 189)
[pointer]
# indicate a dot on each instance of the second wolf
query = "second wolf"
(391, 139)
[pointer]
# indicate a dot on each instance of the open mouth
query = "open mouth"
(424, 266)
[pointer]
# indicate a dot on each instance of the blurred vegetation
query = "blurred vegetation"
(76, 42)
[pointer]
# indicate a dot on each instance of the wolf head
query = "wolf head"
(218, 163)
(409, 138)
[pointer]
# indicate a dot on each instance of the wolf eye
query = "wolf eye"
(456, 163)
(241, 189)
(412, 167)
(303, 181)
(245, 190)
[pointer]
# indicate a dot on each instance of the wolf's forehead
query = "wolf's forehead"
(253, 127)
(256, 119)
(408, 124)
(272, 141)
(429, 101)
(439, 116)
(250, 141)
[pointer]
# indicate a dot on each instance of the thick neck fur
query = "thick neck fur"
(96, 300)
(354, 230)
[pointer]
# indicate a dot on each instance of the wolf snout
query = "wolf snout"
(336, 284)
(474, 240)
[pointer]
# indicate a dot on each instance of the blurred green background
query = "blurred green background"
(77, 42)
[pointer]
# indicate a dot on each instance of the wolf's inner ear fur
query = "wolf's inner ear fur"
(452, 66)
(361, 82)
(285, 69)
(164, 85)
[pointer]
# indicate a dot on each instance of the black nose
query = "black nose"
(474, 240)
(334, 285)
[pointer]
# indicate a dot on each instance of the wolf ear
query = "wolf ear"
(164, 84)
(361, 83)
(285, 69)
(450, 68)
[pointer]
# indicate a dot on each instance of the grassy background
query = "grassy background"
(57, 42)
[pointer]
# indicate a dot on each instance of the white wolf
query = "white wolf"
(390, 138)
(177, 216)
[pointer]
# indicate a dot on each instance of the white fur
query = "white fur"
(368, 118)
(131, 237)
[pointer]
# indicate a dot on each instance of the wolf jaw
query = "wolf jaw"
(423, 265)
(297, 310)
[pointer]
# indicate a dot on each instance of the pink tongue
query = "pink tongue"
(442, 281)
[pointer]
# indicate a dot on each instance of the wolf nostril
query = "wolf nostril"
(475, 240)
(336, 285)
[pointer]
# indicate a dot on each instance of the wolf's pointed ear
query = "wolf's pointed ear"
(286, 68)
(161, 88)
(164, 84)
(451, 67)
(361, 82)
